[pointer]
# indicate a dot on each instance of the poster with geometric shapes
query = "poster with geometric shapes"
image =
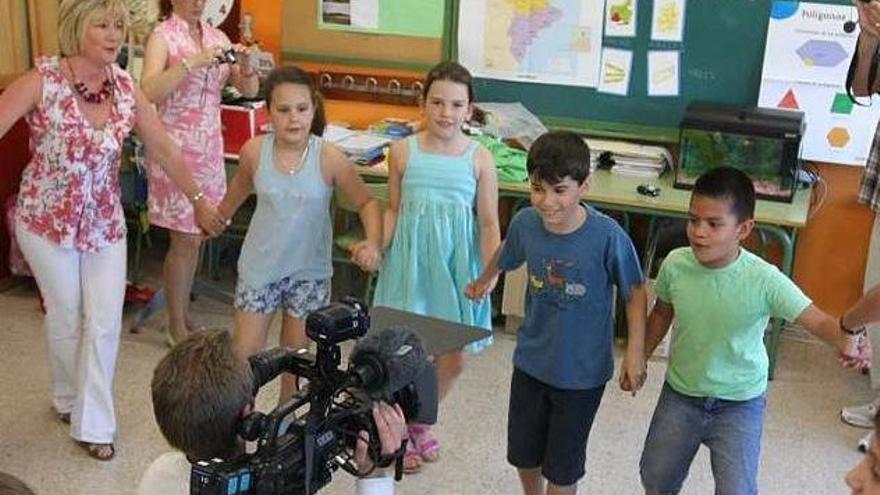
(667, 23)
(837, 131)
(621, 17)
(806, 42)
(805, 62)
(538, 41)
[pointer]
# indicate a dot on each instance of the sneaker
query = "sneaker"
(865, 442)
(860, 416)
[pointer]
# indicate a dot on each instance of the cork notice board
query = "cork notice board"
(302, 40)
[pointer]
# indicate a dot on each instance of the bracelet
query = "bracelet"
(197, 196)
(850, 331)
(186, 67)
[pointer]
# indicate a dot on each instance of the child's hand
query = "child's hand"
(854, 351)
(367, 255)
(633, 373)
(209, 218)
(479, 288)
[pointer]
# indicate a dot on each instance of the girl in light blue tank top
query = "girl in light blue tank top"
(285, 260)
(443, 219)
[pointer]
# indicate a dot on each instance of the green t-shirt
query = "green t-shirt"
(717, 347)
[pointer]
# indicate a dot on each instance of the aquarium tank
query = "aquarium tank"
(763, 143)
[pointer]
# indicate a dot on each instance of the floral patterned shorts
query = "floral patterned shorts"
(297, 297)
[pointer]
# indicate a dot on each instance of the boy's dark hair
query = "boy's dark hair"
(730, 184)
(557, 155)
(291, 74)
(199, 391)
(449, 71)
(10, 485)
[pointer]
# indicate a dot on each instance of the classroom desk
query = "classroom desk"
(618, 193)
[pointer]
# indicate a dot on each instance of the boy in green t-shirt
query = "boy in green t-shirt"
(722, 297)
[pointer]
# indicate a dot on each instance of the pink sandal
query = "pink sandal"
(425, 442)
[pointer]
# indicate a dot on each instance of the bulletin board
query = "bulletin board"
(303, 40)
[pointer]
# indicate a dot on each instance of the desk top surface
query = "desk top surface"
(619, 192)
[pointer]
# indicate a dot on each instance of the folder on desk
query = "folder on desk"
(631, 159)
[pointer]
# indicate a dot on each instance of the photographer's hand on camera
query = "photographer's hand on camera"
(204, 58)
(391, 427)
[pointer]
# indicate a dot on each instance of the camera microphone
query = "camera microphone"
(385, 362)
(392, 365)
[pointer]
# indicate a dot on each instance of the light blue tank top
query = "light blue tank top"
(290, 232)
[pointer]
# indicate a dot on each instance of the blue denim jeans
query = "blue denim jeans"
(730, 429)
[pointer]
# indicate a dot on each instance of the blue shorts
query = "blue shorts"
(548, 427)
(298, 298)
(730, 429)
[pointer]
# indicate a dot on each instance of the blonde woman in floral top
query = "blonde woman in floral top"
(69, 221)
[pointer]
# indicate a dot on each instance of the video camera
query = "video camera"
(303, 441)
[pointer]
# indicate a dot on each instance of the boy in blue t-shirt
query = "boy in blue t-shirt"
(722, 298)
(563, 357)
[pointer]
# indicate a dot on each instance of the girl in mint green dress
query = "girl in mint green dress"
(441, 226)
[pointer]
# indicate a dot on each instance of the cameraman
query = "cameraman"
(201, 389)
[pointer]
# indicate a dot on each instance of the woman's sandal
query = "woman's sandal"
(99, 451)
(426, 443)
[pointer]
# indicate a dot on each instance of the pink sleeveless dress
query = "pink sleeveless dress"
(191, 115)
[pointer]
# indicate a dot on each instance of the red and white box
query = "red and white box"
(241, 123)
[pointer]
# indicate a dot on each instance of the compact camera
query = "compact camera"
(227, 56)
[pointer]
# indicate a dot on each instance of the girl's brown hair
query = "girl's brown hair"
(449, 71)
(291, 74)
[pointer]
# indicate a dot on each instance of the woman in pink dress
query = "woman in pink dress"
(183, 77)
(68, 221)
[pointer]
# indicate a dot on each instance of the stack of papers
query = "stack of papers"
(636, 160)
(362, 148)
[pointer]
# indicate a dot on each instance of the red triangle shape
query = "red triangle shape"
(789, 101)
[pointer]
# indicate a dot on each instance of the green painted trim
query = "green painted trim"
(616, 130)
(450, 32)
(293, 56)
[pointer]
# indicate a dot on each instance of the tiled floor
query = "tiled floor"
(806, 448)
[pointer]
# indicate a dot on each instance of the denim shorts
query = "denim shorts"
(730, 429)
(298, 298)
(548, 427)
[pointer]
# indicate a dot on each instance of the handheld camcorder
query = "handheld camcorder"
(303, 441)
